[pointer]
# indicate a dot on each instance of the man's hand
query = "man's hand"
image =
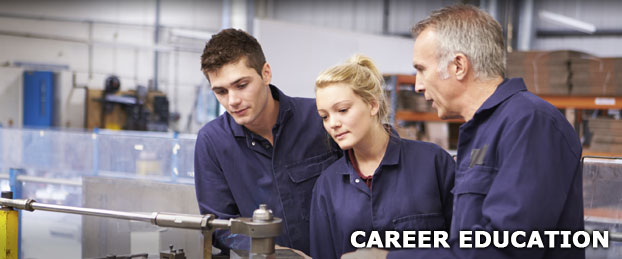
(373, 253)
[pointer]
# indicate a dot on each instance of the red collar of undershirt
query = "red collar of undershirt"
(355, 165)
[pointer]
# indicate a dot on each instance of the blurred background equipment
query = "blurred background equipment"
(38, 98)
(138, 109)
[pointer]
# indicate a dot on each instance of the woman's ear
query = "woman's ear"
(374, 107)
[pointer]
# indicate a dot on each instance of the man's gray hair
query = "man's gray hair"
(468, 30)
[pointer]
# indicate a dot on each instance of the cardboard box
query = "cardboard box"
(607, 135)
(544, 72)
(596, 76)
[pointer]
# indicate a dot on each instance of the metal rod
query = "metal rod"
(220, 223)
(35, 179)
(525, 25)
(615, 236)
(146, 217)
(250, 16)
(207, 244)
(161, 48)
(95, 21)
(601, 220)
(177, 220)
(164, 219)
(545, 33)
(90, 55)
(43, 36)
(156, 41)
(386, 9)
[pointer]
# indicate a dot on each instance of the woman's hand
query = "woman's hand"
(294, 250)
(368, 253)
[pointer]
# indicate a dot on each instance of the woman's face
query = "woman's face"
(347, 118)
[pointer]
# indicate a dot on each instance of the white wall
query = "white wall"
(69, 109)
(11, 96)
(298, 53)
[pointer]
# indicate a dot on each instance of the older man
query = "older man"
(518, 165)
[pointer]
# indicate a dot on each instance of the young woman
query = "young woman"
(382, 182)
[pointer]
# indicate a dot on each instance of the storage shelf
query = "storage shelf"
(406, 80)
(562, 102)
(587, 152)
(584, 102)
(559, 101)
(404, 115)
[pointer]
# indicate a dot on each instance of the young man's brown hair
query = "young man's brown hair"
(228, 46)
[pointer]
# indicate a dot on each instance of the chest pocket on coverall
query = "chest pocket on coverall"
(304, 174)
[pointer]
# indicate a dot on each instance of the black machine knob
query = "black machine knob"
(7, 194)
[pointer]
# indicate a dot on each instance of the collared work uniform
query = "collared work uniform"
(236, 170)
(518, 168)
(410, 190)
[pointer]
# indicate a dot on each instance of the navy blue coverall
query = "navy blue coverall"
(518, 168)
(410, 190)
(236, 170)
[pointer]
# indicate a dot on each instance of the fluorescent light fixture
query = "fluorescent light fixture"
(192, 34)
(568, 22)
(139, 147)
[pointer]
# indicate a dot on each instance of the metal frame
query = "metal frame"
(613, 236)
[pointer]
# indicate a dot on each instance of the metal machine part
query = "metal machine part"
(262, 239)
(173, 254)
(262, 228)
(132, 256)
(279, 253)
(9, 219)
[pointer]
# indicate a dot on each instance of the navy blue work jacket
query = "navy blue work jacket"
(410, 191)
(518, 168)
(237, 170)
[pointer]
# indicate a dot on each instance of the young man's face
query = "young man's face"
(242, 91)
(429, 80)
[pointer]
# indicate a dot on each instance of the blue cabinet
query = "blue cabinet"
(38, 98)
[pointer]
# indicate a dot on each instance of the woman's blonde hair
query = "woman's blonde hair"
(360, 73)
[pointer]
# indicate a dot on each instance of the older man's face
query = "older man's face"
(437, 89)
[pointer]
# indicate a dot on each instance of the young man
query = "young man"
(267, 148)
(518, 165)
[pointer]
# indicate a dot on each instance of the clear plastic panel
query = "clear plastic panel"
(71, 154)
(135, 156)
(66, 153)
(65, 157)
(185, 157)
(602, 201)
